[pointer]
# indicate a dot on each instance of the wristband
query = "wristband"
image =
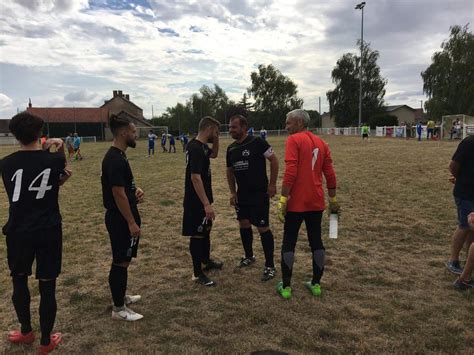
(283, 199)
(332, 199)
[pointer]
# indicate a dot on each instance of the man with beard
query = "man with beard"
(120, 197)
(246, 166)
(198, 213)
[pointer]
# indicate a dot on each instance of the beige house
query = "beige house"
(327, 121)
(404, 113)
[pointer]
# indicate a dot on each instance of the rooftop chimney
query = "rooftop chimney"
(127, 96)
(29, 103)
(120, 93)
(115, 93)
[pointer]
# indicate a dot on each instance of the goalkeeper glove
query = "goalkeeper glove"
(282, 208)
(333, 205)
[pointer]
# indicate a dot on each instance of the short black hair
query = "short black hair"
(208, 121)
(26, 127)
(240, 113)
(116, 122)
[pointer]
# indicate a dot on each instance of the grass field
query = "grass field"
(385, 286)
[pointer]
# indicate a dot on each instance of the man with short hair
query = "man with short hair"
(246, 166)
(77, 146)
(151, 143)
(430, 125)
(198, 212)
(365, 132)
(69, 146)
(462, 170)
(307, 158)
(172, 143)
(163, 143)
(32, 177)
(263, 133)
(184, 141)
(122, 219)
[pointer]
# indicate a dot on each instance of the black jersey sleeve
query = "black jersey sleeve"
(115, 172)
(262, 145)
(227, 158)
(196, 160)
(464, 147)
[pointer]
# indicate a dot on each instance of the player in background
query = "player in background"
(365, 129)
(172, 144)
(246, 166)
(307, 158)
(122, 219)
(163, 143)
(151, 143)
(198, 212)
(69, 146)
(32, 177)
(77, 146)
(419, 130)
(263, 133)
(184, 141)
(250, 131)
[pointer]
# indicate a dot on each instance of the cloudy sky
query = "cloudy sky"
(75, 52)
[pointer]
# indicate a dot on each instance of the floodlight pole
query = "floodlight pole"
(361, 7)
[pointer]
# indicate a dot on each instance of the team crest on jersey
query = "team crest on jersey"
(246, 153)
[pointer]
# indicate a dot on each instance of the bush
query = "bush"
(382, 120)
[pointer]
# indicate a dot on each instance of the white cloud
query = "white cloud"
(5, 101)
(59, 48)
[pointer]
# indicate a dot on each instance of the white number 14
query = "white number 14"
(41, 189)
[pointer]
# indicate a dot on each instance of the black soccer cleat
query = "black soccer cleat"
(212, 265)
(247, 261)
(203, 280)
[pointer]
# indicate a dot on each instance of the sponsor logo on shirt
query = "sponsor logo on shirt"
(246, 153)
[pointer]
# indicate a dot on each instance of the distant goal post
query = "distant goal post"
(466, 121)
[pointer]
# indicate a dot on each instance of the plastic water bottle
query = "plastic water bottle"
(333, 224)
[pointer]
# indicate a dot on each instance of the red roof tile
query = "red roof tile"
(71, 114)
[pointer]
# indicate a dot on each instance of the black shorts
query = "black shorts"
(44, 245)
(124, 246)
(257, 213)
(195, 222)
(365, 135)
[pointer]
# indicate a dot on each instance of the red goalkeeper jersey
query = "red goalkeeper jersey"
(307, 158)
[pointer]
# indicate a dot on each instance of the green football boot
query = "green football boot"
(284, 292)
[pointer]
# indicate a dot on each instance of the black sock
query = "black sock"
(268, 247)
(47, 309)
(21, 302)
(195, 248)
(206, 250)
(318, 265)
(118, 284)
(247, 240)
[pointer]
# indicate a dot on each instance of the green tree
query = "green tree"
(449, 80)
(244, 102)
(274, 95)
(344, 99)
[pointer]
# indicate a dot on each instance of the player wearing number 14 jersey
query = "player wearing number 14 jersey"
(32, 178)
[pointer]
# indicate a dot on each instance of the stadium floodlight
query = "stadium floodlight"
(361, 7)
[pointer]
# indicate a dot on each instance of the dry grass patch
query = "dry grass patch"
(385, 287)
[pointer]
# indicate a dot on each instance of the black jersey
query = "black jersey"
(197, 162)
(464, 155)
(31, 180)
(116, 171)
(248, 162)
